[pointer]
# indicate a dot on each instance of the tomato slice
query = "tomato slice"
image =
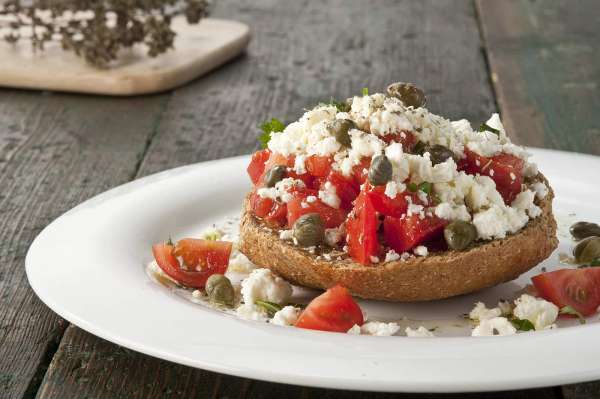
(211, 256)
(318, 166)
(505, 169)
(334, 310)
(278, 215)
(273, 212)
(578, 288)
(406, 138)
(361, 171)
(361, 229)
(298, 206)
(257, 165)
(346, 189)
(403, 234)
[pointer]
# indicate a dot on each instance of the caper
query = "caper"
(438, 153)
(219, 290)
(340, 128)
(275, 174)
(581, 230)
(309, 230)
(408, 93)
(419, 148)
(460, 234)
(380, 171)
(587, 250)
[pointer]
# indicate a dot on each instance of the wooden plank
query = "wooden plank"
(588, 390)
(301, 53)
(55, 151)
(544, 61)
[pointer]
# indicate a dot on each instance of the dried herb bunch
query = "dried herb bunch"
(97, 29)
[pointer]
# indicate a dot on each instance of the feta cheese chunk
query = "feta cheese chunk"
(421, 250)
(494, 326)
(238, 262)
(329, 195)
(286, 316)
(420, 332)
(481, 312)
(375, 328)
(263, 285)
(249, 311)
(541, 313)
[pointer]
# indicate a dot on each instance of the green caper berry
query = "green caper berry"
(587, 250)
(460, 234)
(380, 171)
(438, 153)
(408, 93)
(309, 230)
(419, 148)
(340, 128)
(581, 230)
(219, 290)
(275, 174)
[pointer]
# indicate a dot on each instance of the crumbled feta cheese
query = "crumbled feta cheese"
(384, 122)
(541, 313)
(354, 330)
(374, 259)
(414, 209)
(524, 202)
(420, 332)
(530, 169)
(540, 190)
(391, 256)
(238, 262)
(421, 250)
(392, 189)
(299, 164)
(263, 285)
(449, 212)
(197, 294)
(249, 311)
(481, 312)
(379, 329)
(494, 326)
(286, 235)
(286, 316)
(334, 235)
(329, 195)
(281, 189)
(310, 199)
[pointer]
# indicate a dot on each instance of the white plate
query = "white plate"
(88, 266)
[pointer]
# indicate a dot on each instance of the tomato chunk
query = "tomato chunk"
(406, 233)
(505, 169)
(346, 189)
(578, 288)
(406, 138)
(334, 310)
(361, 228)
(299, 206)
(211, 257)
(361, 171)
(318, 166)
(257, 165)
(273, 212)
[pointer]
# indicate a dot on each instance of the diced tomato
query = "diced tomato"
(273, 212)
(306, 178)
(396, 206)
(505, 169)
(346, 189)
(361, 228)
(361, 171)
(276, 159)
(278, 215)
(318, 166)
(334, 310)
(211, 256)
(578, 288)
(406, 138)
(331, 217)
(406, 233)
(260, 206)
(257, 165)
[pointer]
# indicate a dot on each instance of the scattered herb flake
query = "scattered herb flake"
(595, 262)
(425, 187)
(270, 307)
(522, 324)
(571, 311)
(487, 128)
(268, 128)
(365, 91)
(412, 187)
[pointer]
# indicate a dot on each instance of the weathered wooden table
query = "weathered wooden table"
(536, 62)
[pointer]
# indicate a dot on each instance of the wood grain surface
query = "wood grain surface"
(57, 150)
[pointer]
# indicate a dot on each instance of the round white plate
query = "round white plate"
(88, 266)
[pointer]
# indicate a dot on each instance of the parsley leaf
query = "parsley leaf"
(487, 128)
(342, 106)
(412, 187)
(522, 324)
(425, 187)
(270, 307)
(595, 262)
(269, 127)
(365, 91)
(571, 311)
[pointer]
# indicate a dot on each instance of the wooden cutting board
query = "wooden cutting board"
(198, 49)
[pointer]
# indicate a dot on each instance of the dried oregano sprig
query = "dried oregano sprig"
(97, 29)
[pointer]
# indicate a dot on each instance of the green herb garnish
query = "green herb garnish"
(341, 106)
(365, 91)
(571, 311)
(170, 241)
(522, 324)
(270, 307)
(595, 262)
(412, 187)
(484, 127)
(425, 187)
(269, 127)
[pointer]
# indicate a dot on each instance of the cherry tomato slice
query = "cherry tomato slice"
(578, 288)
(334, 310)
